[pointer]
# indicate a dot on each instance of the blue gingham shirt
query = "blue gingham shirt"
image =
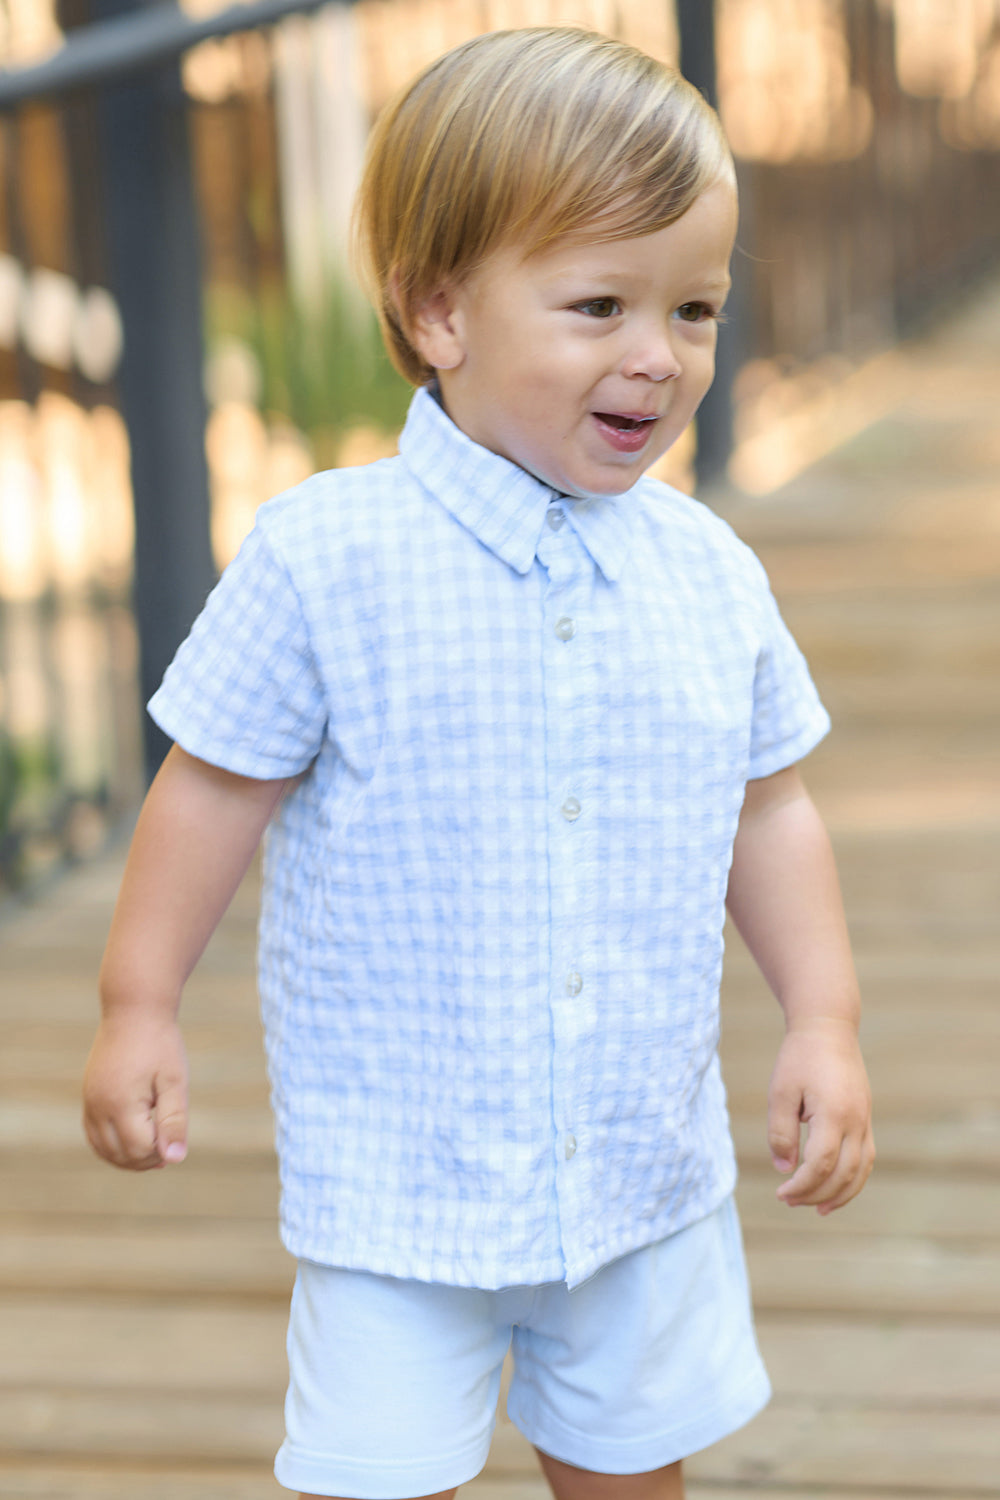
(491, 931)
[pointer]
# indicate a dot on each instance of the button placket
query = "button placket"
(570, 571)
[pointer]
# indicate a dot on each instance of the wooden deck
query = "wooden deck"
(143, 1318)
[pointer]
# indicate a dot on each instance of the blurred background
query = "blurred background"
(180, 336)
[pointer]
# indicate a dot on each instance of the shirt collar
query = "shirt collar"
(501, 504)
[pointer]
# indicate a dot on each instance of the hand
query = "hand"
(135, 1093)
(819, 1080)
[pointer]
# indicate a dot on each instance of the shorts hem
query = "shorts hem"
(641, 1455)
(332, 1474)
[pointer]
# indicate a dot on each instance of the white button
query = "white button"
(569, 1146)
(565, 628)
(574, 982)
(571, 809)
(556, 520)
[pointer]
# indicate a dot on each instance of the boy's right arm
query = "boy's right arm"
(195, 838)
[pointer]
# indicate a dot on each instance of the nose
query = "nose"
(653, 357)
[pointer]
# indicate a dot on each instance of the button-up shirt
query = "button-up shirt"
(491, 929)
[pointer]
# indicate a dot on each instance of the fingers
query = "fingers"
(137, 1124)
(171, 1123)
(123, 1137)
(834, 1169)
(821, 1167)
(854, 1184)
(819, 1081)
(784, 1123)
(135, 1094)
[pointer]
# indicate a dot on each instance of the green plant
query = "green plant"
(325, 369)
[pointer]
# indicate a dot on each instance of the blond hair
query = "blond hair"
(523, 137)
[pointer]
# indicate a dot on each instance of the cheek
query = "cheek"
(708, 355)
(536, 389)
(701, 370)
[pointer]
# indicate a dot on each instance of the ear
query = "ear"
(435, 329)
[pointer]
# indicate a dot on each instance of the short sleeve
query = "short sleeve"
(243, 691)
(788, 718)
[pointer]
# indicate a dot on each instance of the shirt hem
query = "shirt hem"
(226, 756)
(300, 1469)
(631, 1455)
(327, 1250)
(780, 757)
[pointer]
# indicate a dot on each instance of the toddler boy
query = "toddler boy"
(521, 722)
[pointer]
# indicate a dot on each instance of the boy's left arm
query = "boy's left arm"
(784, 898)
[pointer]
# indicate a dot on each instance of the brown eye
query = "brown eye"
(694, 312)
(600, 307)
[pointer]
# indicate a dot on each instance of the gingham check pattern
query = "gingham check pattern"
(490, 940)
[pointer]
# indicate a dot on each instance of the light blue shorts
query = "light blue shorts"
(394, 1384)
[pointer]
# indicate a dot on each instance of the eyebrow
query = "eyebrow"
(611, 273)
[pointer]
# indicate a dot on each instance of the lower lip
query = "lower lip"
(625, 439)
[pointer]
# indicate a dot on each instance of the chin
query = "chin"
(604, 489)
(601, 486)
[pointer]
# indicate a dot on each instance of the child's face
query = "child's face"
(584, 362)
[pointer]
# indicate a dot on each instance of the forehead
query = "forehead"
(698, 244)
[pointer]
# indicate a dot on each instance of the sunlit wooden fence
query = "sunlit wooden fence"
(867, 134)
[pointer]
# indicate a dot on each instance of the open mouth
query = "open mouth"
(623, 424)
(624, 433)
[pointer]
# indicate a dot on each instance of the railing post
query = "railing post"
(696, 34)
(153, 249)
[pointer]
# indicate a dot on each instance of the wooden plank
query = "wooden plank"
(220, 1059)
(49, 1126)
(893, 1041)
(42, 1038)
(925, 1206)
(881, 1278)
(906, 1453)
(73, 1482)
(918, 1017)
(696, 1489)
(141, 1345)
(236, 1260)
(147, 1424)
(968, 1142)
(855, 1448)
(898, 1362)
(896, 1081)
(493, 1486)
(798, 1443)
(894, 970)
(235, 1188)
(244, 1086)
(63, 990)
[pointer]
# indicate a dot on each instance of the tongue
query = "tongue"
(625, 424)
